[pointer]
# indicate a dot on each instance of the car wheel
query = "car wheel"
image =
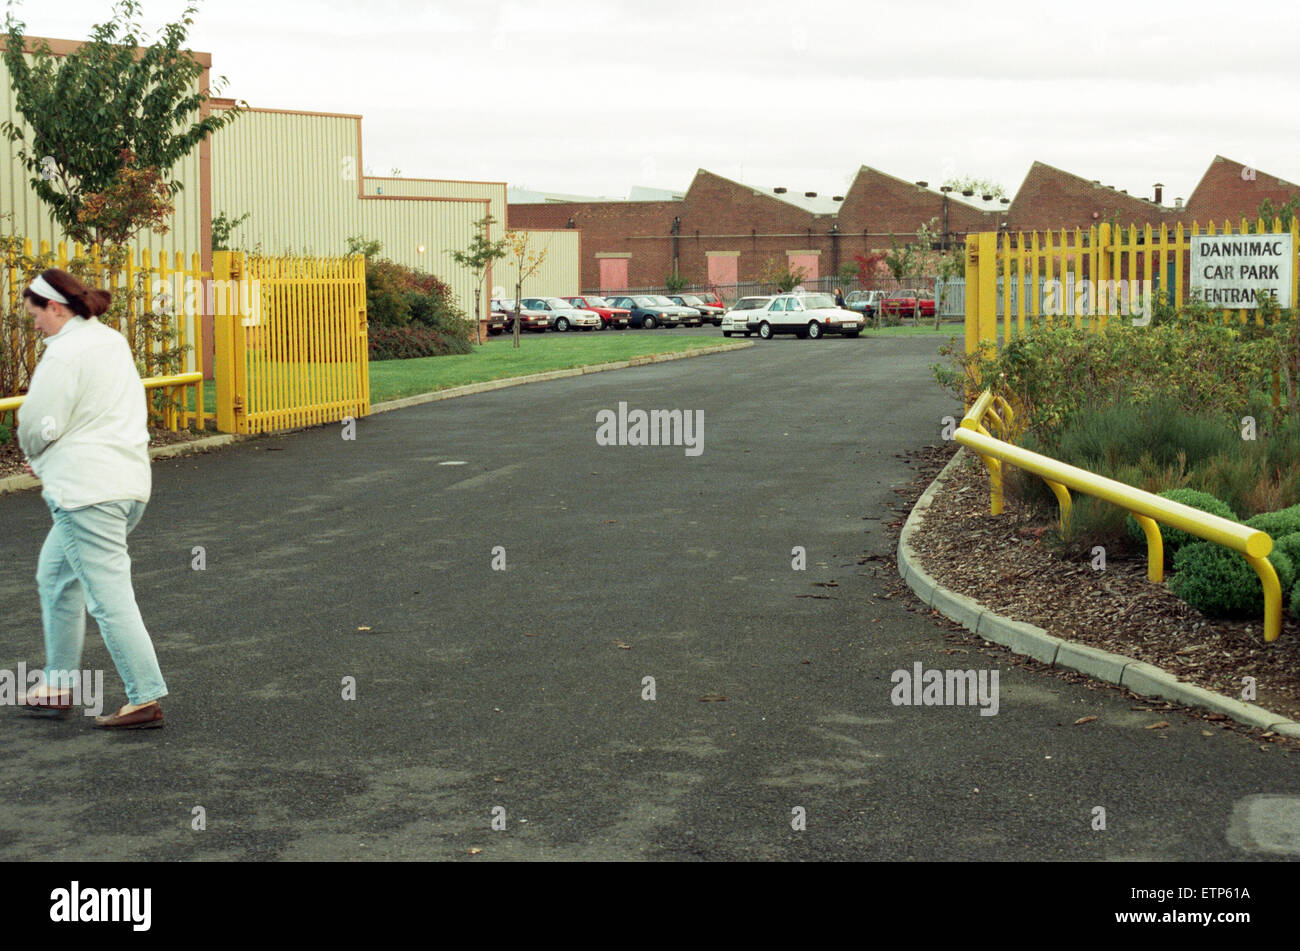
(814, 330)
(561, 325)
(649, 323)
(765, 330)
(726, 333)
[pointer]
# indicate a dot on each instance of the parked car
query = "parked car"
(564, 316)
(611, 316)
(733, 321)
(644, 312)
(496, 323)
(687, 316)
(535, 320)
(708, 312)
(904, 303)
(804, 315)
(712, 299)
(864, 302)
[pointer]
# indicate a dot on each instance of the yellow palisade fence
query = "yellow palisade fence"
(1101, 254)
(180, 374)
(1149, 510)
(291, 342)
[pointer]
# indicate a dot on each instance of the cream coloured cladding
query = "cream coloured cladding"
(405, 225)
(299, 177)
(558, 275)
(31, 218)
(494, 192)
(295, 175)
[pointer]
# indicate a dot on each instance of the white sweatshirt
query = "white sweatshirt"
(84, 423)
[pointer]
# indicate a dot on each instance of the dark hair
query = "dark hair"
(84, 301)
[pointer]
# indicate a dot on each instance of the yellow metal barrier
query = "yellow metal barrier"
(176, 384)
(291, 344)
(1149, 510)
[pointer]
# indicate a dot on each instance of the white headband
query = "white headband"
(42, 286)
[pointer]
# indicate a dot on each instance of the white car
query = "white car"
(804, 315)
(564, 316)
(733, 321)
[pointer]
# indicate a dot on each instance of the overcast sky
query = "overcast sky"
(595, 97)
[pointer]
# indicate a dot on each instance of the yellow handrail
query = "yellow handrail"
(1147, 508)
(10, 404)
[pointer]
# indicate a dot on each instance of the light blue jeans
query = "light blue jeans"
(84, 564)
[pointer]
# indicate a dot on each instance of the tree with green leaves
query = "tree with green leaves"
(477, 258)
(527, 260)
(106, 125)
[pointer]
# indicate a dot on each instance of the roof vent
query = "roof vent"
(809, 194)
(780, 190)
(923, 184)
(1178, 203)
(837, 198)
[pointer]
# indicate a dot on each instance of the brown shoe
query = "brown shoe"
(146, 718)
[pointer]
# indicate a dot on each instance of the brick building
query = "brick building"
(723, 232)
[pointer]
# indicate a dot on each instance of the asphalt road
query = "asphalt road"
(519, 693)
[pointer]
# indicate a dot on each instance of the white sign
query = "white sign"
(1227, 269)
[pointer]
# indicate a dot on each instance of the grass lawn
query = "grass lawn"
(537, 353)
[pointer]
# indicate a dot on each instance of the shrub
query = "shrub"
(1176, 538)
(1103, 437)
(1049, 373)
(1295, 601)
(1277, 524)
(404, 343)
(1219, 582)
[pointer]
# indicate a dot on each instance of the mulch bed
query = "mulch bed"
(1002, 562)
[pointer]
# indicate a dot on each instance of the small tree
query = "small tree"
(477, 258)
(783, 277)
(108, 124)
(223, 226)
(526, 260)
(675, 283)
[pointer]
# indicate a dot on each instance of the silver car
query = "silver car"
(564, 316)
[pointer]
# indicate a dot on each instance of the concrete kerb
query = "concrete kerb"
(19, 483)
(1141, 678)
(471, 388)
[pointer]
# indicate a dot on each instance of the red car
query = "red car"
(904, 303)
(713, 300)
(610, 316)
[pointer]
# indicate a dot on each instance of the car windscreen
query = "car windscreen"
(814, 301)
(598, 302)
(691, 299)
(646, 302)
(751, 303)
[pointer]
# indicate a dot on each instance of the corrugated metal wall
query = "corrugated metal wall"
(295, 175)
(494, 192)
(559, 274)
(32, 219)
(440, 227)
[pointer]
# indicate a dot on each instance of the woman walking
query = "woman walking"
(83, 427)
